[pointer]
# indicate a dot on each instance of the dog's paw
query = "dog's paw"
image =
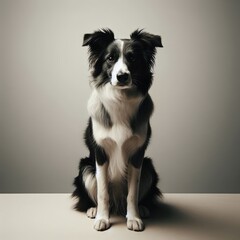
(135, 224)
(101, 224)
(144, 212)
(92, 212)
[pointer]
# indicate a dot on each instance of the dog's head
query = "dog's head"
(123, 63)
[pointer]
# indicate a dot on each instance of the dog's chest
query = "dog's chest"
(119, 144)
(120, 134)
(118, 139)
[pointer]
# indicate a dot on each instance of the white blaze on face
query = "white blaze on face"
(120, 67)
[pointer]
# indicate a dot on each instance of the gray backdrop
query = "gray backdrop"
(44, 90)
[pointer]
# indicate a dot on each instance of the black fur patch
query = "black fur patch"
(101, 156)
(144, 113)
(84, 201)
(137, 158)
(89, 140)
(149, 43)
(154, 194)
(97, 153)
(103, 117)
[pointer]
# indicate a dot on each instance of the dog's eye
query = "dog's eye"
(111, 58)
(131, 57)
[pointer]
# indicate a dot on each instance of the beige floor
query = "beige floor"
(180, 216)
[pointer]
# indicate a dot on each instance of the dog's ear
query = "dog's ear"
(98, 39)
(97, 42)
(149, 40)
(87, 39)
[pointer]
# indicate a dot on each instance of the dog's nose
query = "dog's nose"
(122, 77)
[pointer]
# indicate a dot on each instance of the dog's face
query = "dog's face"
(123, 63)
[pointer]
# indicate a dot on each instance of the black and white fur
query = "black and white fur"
(116, 177)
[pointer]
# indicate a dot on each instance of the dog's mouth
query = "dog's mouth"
(120, 85)
(127, 84)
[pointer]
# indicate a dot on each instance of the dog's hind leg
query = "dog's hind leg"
(149, 193)
(92, 212)
(86, 186)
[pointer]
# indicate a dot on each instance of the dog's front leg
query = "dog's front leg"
(102, 218)
(134, 221)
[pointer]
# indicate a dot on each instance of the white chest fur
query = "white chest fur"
(119, 141)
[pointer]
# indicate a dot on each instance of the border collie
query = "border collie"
(116, 177)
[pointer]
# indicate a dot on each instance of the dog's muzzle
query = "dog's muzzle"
(123, 79)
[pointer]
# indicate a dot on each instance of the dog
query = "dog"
(117, 177)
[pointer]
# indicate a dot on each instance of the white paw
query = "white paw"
(92, 212)
(101, 224)
(144, 212)
(135, 224)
